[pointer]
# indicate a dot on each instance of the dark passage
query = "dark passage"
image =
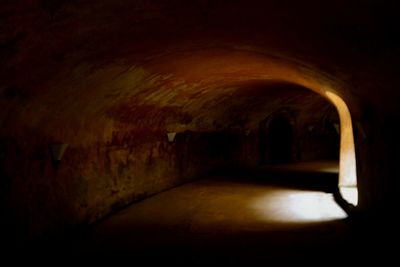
(279, 140)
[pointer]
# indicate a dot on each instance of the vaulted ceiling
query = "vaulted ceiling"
(177, 65)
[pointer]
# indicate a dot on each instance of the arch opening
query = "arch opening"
(330, 139)
(280, 139)
(347, 160)
(276, 140)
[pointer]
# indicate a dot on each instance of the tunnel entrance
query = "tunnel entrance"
(307, 128)
(276, 140)
(280, 139)
(331, 134)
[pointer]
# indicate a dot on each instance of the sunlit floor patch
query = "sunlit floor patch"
(298, 206)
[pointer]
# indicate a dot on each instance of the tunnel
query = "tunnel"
(277, 140)
(199, 133)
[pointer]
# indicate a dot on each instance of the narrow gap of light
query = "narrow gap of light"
(350, 194)
(347, 161)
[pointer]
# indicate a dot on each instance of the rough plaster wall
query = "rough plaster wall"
(92, 181)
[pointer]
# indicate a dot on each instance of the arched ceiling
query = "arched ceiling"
(178, 65)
